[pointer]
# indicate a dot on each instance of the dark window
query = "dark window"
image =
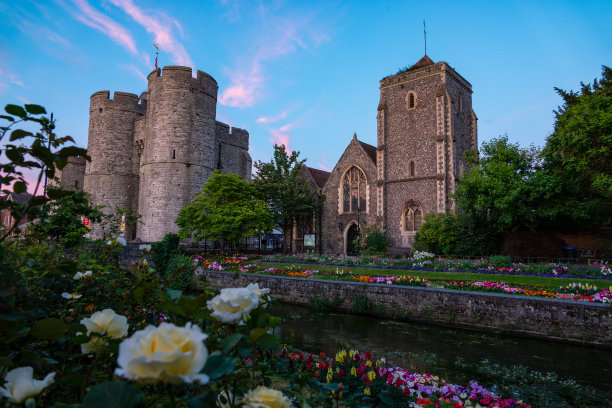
(411, 171)
(411, 101)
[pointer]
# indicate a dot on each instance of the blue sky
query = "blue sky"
(305, 73)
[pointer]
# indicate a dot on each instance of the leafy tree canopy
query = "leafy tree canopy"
(228, 208)
(579, 151)
(286, 193)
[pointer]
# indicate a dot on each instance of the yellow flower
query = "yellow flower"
(366, 391)
(369, 363)
(264, 397)
(330, 374)
(106, 322)
(353, 372)
(165, 353)
(340, 356)
(371, 375)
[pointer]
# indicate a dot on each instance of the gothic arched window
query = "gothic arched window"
(413, 216)
(354, 190)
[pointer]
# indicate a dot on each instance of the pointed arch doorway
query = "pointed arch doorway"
(351, 238)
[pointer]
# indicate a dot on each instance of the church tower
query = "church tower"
(425, 124)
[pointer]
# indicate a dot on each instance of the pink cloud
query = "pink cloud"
(105, 25)
(134, 70)
(274, 118)
(7, 78)
(276, 37)
(281, 136)
(244, 89)
(161, 26)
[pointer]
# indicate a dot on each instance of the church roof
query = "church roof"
(369, 149)
(319, 176)
(423, 62)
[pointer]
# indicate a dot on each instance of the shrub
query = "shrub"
(500, 261)
(437, 234)
(179, 272)
(373, 241)
(361, 304)
(163, 251)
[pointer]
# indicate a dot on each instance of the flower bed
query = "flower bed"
(574, 291)
(431, 263)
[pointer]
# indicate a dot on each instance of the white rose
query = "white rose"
(145, 247)
(106, 322)
(73, 295)
(21, 385)
(232, 303)
(121, 241)
(263, 397)
(165, 353)
(81, 275)
(260, 291)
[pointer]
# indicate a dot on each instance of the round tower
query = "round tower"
(178, 154)
(109, 177)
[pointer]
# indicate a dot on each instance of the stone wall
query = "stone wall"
(557, 320)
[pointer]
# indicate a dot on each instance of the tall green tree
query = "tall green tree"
(228, 209)
(507, 188)
(579, 151)
(285, 192)
(61, 218)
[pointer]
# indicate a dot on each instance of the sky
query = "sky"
(305, 73)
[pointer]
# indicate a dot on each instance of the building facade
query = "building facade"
(425, 124)
(152, 154)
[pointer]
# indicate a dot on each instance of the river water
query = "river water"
(434, 349)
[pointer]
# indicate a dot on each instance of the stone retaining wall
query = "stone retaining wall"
(551, 319)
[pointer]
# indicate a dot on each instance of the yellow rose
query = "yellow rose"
(21, 385)
(232, 303)
(107, 323)
(263, 397)
(166, 353)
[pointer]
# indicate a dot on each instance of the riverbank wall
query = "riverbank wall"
(551, 319)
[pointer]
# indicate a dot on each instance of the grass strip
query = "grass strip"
(552, 283)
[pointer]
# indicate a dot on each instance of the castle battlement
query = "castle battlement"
(183, 77)
(151, 154)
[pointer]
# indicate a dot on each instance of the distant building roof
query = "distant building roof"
(319, 176)
(21, 198)
(423, 62)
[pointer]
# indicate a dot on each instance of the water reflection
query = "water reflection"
(314, 332)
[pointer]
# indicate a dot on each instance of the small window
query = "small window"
(76, 184)
(411, 169)
(108, 166)
(411, 100)
(173, 154)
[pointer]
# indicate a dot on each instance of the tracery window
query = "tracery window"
(354, 190)
(413, 217)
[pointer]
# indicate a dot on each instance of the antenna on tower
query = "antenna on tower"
(156, 53)
(425, 36)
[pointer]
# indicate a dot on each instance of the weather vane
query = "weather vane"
(156, 53)
(425, 36)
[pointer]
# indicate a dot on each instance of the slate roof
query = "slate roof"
(319, 176)
(369, 149)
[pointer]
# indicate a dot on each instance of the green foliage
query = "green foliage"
(361, 304)
(579, 151)
(42, 152)
(437, 234)
(163, 250)
(323, 304)
(179, 272)
(228, 208)
(62, 217)
(372, 241)
(500, 261)
(285, 192)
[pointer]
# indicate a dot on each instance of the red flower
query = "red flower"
(317, 373)
(340, 373)
(368, 355)
(485, 401)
